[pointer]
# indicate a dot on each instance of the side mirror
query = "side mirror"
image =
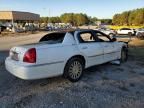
(114, 39)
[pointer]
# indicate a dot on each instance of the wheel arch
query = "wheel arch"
(78, 56)
(125, 47)
(75, 56)
(126, 50)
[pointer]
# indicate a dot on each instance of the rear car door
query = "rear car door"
(90, 48)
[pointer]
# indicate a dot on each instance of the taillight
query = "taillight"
(30, 56)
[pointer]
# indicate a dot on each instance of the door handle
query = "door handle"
(84, 47)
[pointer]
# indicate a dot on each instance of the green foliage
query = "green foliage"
(106, 21)
(44, 20)
(54, 20)
(50, 20)
(67, 18)
(93, 20)
(134, 17)
(74, 19)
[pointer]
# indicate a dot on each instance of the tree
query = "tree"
(55, 20)
(116, 18)
(133, 17)
(124, 18)
(93, 20)
(139, 18)
(67, 18)
(75, 19)
(44, 20)
(106, 21)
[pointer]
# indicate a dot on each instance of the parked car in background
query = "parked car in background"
(126, 31)
(107, 31)
(140, 30)
(140, 33)
(2, 28)
(64, 53)
(49, 28)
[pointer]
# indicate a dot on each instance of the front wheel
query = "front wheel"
(124, 55)
(74, 69)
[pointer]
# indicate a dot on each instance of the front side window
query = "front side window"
(86, 37)
(100, 37)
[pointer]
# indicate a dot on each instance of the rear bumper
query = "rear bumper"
(33, 72)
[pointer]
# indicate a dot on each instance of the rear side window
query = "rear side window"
(53, 38)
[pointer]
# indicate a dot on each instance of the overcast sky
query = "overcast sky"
(97, 8)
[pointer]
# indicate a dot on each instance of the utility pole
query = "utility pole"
(49, 20)
(13, 28)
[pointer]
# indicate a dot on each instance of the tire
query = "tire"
(124, 55)
(74, 69)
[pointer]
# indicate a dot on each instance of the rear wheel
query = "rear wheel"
(74, 69)
(124, 55)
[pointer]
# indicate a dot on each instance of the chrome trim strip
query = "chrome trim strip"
(112, 52)
(95, 55)
(103, 54)
(36, 65)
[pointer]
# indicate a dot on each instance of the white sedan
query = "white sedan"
(107, 31)
(64, 53)
(126, 31)
(139, 31)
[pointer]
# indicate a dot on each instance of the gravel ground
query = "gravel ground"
(103, 86)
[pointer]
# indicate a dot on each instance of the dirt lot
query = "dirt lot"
(103, 86)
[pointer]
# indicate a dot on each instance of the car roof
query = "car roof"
(72, 31)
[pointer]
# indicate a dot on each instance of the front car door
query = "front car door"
(90, 48)
(109, 49)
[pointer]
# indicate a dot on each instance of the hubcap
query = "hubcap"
(75, 70)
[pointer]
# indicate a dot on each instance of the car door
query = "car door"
(109, 49)
(90, 48)
(125, 31)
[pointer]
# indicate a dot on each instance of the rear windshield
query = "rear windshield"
(53, 38)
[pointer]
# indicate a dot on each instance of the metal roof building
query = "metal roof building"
(17, 15)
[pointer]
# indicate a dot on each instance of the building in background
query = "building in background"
(16, 20)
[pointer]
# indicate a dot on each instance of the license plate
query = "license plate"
(14, 56)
